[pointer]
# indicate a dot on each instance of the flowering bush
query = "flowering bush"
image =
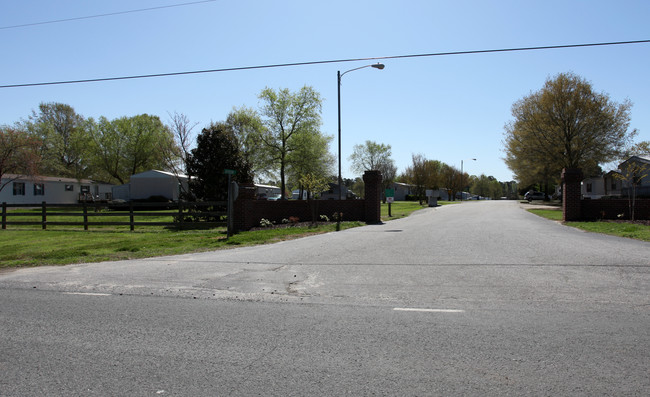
(265, 222)
(324, 218)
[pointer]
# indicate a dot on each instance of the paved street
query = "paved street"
(480, 298)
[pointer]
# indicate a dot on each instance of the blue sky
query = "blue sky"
(449, 108)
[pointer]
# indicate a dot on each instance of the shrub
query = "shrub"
(324, 218)
(265, 223)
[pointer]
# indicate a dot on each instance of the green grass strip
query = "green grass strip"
(621, 229)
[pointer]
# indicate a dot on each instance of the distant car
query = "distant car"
(275, 197)
(530, 196)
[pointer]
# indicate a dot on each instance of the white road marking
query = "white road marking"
(412, 309)
(86, 293)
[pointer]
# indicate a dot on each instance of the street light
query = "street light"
(379, 66)
(462, 179)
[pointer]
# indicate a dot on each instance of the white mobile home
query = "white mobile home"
(20, 189)
(267, 192)
(151, 183)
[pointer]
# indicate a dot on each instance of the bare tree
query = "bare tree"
(181, 128)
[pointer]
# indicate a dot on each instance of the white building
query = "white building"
(151, 183)
(608, 185)
(266, 192)
(53, 190)
(617, 183)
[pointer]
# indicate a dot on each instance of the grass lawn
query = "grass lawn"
(555, 215)
(622, 229)
(21, 247)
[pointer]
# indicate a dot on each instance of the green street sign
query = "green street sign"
(229, 172)
(390, 193)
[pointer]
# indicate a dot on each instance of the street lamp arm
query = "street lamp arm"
(379, 66)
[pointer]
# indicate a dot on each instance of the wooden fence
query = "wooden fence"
(186, 215)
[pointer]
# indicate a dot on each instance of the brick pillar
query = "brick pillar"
(372, 180)
(246, 193)
(571, 195)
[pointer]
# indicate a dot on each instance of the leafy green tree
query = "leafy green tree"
(247, 126)
(453, 180)
(370, 156)
(509, 190)
(374, 156)
(19, 154)
(424, 174)
(486, 186)
(286, 116)
(313, 184)
(311, 157)
(416, 175)
(217, 149)
(64, 138)
(358, 187)
(130, 145)
(566, 124)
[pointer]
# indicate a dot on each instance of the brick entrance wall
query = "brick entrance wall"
(571, 195)
(372, 180)
(248, 212)
(574, 208)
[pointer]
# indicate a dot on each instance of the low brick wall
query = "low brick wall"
(248, 212)
(612, 208)
(276, 211)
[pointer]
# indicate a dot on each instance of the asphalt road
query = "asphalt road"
(473, 299)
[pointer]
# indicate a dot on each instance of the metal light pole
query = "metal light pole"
(379, 66)
(462, 179)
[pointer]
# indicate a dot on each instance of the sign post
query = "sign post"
(390, 197)
(230, 222)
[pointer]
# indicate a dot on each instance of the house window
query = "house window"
(69, 188)
(19, 188)
(85, 189)
(613, 185)
(589, 188)
(39, 189)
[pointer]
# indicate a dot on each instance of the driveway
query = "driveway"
(435, 257)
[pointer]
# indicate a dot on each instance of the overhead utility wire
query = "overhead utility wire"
(281, 65)
(105, 15)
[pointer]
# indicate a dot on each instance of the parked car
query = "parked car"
(532, 195)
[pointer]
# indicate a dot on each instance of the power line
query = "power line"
(105, 15)
(282, 65)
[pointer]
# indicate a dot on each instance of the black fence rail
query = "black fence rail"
(185, 215)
